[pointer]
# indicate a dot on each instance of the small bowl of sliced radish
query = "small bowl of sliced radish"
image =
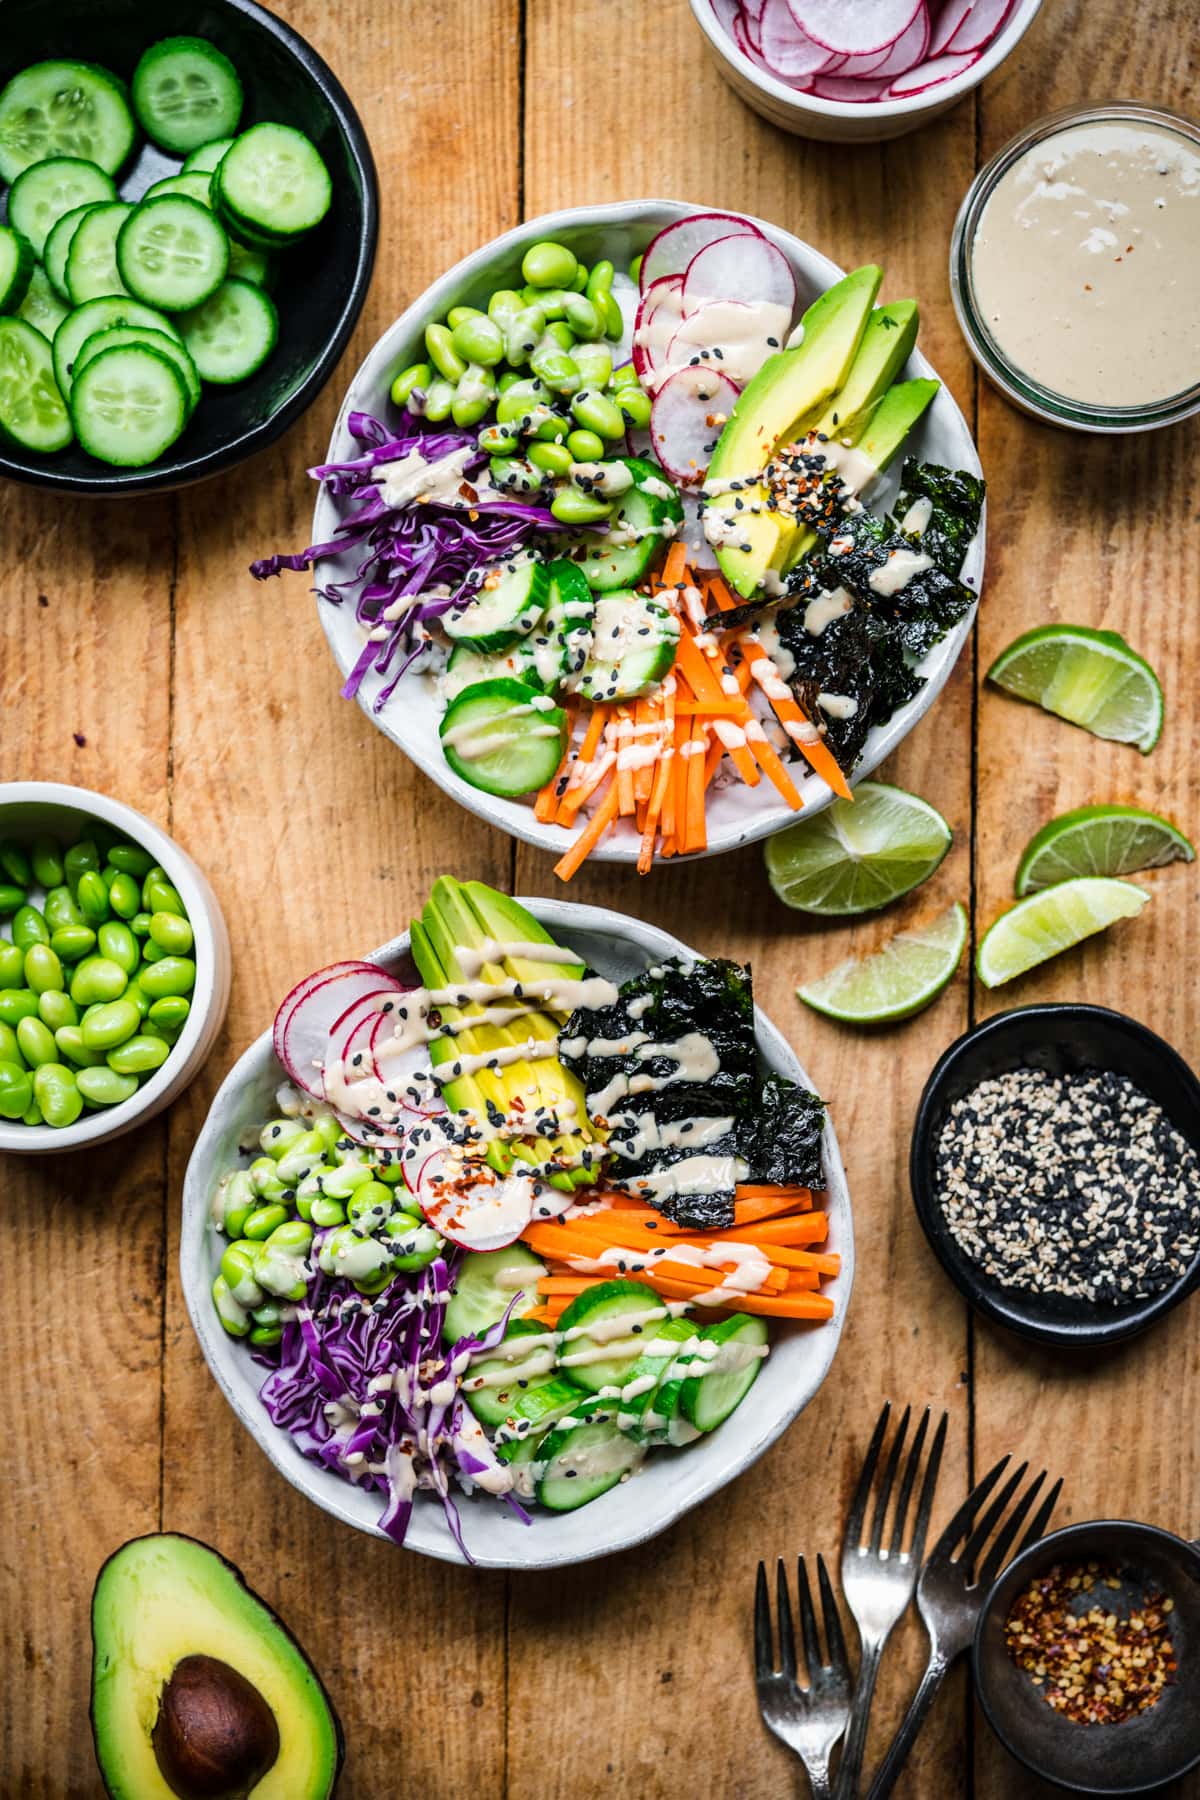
(859, 70)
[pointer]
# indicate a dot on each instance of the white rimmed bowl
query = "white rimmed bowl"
(736, 814)
(27, 807)
(844, 121)
(670, 1483)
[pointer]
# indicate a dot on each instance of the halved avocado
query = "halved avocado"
(199, 1692)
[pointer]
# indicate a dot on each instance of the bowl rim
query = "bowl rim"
(167, 474)
(209, 997)
(944, 94)
(1066, 1538)
(979, 1292)
(303, 1475)
(513, 817)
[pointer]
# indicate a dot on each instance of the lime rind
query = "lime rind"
(1051, 921)
(1100, 840)
(857, 856)
(1088, 677)
(902, 978)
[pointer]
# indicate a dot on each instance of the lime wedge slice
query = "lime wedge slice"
(1100, 840)
(895, 982)
(1037, 928)
(1091, 678)
(857, 855)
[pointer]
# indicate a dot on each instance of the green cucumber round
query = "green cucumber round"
(33, 415)
(503, 737)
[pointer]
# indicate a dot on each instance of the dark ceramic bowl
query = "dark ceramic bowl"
(1144, 1752)
(320, 294)
(1061, 1040)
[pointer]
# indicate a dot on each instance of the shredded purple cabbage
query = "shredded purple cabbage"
(407, 549)
(343, 1353)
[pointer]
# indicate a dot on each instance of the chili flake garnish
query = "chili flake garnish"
(1098, 1654)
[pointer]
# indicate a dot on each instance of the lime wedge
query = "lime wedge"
(897, 981)
(1037, 928)
(1100, 840)
(858, 854)
(1092, 678)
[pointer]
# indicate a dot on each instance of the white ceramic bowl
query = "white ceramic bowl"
(852, 122)
(736, 814)
(669, 1483)
(27, 807)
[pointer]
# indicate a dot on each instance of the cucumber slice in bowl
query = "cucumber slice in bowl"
(91, 268)
(484, 1288)
(272, 185)
(605, 1330)
(186, 92)
(46, 191)
(580, 1464)
(64, 109)
(232, 334)
(725, 1374)
(503, 737)
(33, 414)
(204, 160)
(196, 186)
(41, 306)
(171, 252)
(115, 337)
(128, 406)
(58, 245)
(98, 315)
(496, 615)
(493, 1386)
(647, 516)
(16, 268)
(634, 642)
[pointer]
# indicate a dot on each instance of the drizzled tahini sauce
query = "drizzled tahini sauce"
(1086, 262)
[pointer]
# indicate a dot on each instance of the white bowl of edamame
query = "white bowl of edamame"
(736, 814)
(668, 1484)
(39, 820)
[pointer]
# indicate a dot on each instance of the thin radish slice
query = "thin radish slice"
(786, 48)
(673, 249)
(480, 1210)
(732, 337)
(657, 321)
(752, 24)
(406, 1073)
(985, 19)
(317, 979)
(755, 8)
(683, 424)
(854, 27)
(931, 74)
(726, 13)
(739, 267)
(365, 1009)
(950, 16)
(306, 1032)
(910, 48)
(855, 67)
(854, 93)
(369, 1134)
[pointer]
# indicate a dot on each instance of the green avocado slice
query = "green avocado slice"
(165, 1606)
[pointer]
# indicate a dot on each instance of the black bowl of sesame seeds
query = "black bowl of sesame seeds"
(1055, 1169)
(1087, 1657)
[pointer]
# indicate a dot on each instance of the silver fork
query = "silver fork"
(811, 1719)
(877, 1581)
(950, 1601)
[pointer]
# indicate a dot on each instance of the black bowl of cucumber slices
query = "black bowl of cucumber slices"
(189, 218)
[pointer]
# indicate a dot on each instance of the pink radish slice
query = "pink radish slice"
(363, 1011)
(682, 427)
(369, 1134)
(755, 8)
(931, 74)
(752, 24)
(854, 27)
(786, 48)
(726, 11)
(664, 299)
(317, 979)
(855, 93)
(731, 337)
(673, 249)
(490, 1214)
(751, 51)
(852, 67)
(910, 48)
(980, 26)
(739, 267)
(950, 17)
(407, 1074)
(306, 1034)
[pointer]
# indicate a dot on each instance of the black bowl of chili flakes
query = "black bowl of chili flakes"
(1055, 1169)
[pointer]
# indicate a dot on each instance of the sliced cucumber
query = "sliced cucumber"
(64, 109)
(483, 1287)
(707, 1398)
(581, 1464)
(186, 93)
(633, 649)
(33, 414)
(503, 737)
(128, 406)
(98, 315)
(45, 192)
(232, 334)
(196, 187)
(171, 252)
(58, 244)
(496, 615)
(502, 1379)
(204, 160)
(613, 1321)
(115, 337)
(91, 270)
(41, 306)
(16, 268)
(535, 1410)
(250, 265)
(640, 1387)
(570, 615)
(272, 186)
(468, 666)
(647, 518)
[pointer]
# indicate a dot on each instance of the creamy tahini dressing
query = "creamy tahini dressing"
(1086, 263)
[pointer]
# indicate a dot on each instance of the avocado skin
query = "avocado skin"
(112, 1757)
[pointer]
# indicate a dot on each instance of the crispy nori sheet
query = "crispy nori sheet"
(957, 500)
(786, 1142)
(859, 654)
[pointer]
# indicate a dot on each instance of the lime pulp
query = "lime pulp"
(857, 855)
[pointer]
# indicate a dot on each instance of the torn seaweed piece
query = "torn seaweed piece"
(956, 501)
(858, 653)
(925, 607)
(782, 1143)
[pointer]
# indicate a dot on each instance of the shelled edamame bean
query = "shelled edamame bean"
(96, 974)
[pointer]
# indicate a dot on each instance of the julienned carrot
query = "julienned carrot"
(590, 836)
(814, 750)
(661, 779)
(674, 569)
(794, 1304)
(562, 1242)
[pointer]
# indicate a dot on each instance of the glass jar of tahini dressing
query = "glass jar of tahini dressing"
(1075, 267)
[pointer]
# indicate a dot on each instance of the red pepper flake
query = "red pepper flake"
(1096, 1658)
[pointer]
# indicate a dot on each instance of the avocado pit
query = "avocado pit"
(215, 1736)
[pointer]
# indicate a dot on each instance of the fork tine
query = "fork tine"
(837, 1657)
(928, 1488)
(764, 1653)
(808, 1623)
(787, 1641)
(960, 1524)
(996, 1556)
(889, 1477)
(858, 1506)
(906, 1486)
(991, 1518)
(1038, 1528)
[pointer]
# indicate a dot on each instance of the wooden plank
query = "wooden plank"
(651, 1660)
(1100, 533)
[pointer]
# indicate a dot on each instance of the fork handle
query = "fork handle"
(850, 1767)
(889, 1769)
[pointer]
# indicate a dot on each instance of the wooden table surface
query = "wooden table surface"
(137, 657)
